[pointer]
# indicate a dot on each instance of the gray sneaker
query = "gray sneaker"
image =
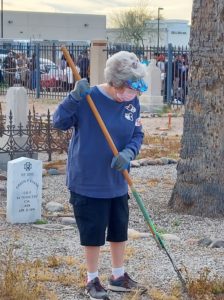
(125, 284)
(95, 290)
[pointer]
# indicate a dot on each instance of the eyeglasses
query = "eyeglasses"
(139, 85)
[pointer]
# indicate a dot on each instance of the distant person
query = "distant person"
(70, 78)
(9, 65)
(32, 66)
(83, 64)
(63, 63)
(183, 79)
(79, 59)
(161, 63)
(22, 63)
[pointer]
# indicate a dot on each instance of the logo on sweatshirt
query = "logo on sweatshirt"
(131, 108)
(129, 116)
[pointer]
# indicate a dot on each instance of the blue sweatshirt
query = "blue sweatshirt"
(89, 171)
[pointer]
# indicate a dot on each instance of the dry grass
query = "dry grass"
(15, 283)
(205, 286)
(27, 280)
(30, 280)
(201, 287)
(152, 182)
(160, 146)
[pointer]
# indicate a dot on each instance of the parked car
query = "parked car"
(50, 74)
(46, 65)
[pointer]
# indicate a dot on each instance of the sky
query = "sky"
(172, 9)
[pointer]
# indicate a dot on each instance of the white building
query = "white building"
(176, 32)
(23, 25)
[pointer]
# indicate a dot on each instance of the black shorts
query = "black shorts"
(95, 216)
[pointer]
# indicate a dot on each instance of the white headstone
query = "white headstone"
(17, 103)
(24, 190)
(152, 99)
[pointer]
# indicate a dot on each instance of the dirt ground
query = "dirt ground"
(152, 124)
(158, 125)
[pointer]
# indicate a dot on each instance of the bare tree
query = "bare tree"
(132, 23)
(199, 188)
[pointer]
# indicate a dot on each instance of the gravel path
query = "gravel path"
(144, 261)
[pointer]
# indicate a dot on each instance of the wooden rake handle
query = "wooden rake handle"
(96, 113)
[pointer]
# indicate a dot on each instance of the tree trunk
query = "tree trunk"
(199, 188)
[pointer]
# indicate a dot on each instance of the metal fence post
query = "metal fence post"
(28, 49)
(54, 53)
(169, 73)
(37, 50)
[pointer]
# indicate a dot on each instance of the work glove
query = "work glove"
(122, 160)
(81, 89)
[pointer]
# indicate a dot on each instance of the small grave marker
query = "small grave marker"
(24, 190)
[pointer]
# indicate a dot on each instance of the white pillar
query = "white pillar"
(98, 57)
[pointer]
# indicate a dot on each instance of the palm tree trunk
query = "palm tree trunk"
(199, 188)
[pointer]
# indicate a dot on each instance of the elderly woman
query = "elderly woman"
(99, 192)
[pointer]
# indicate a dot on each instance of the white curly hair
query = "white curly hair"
(123, 66)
